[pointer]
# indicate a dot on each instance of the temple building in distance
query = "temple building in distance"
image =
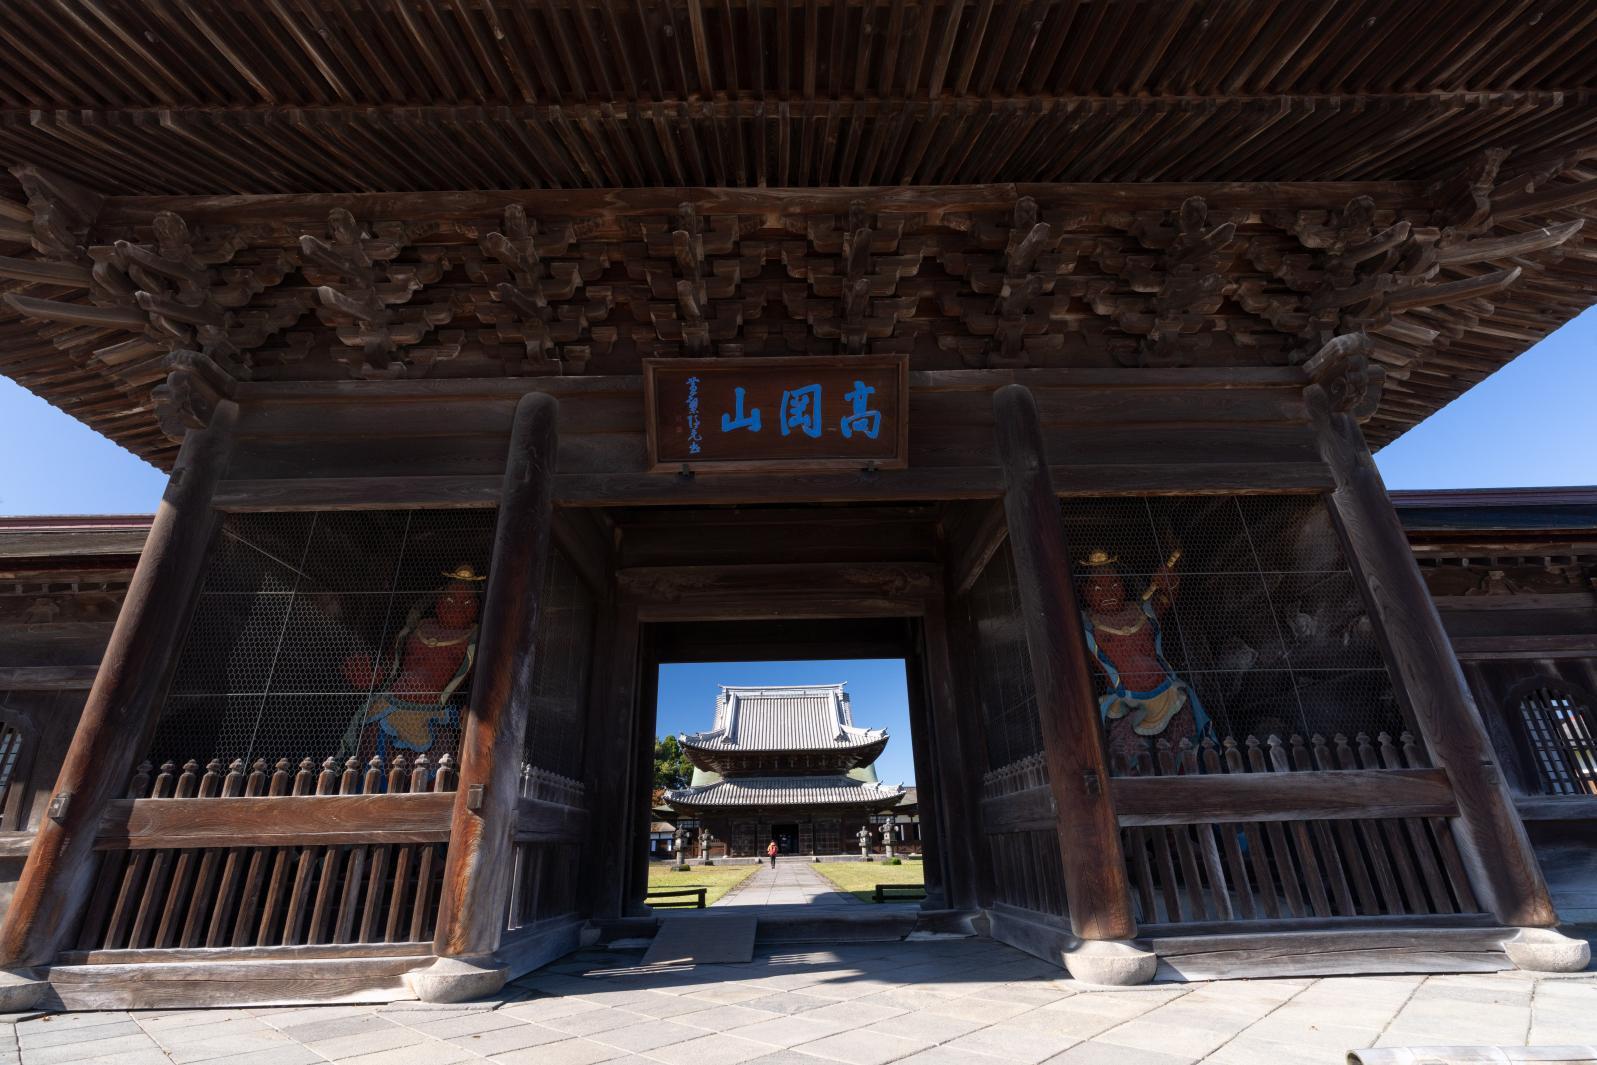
(787, 764)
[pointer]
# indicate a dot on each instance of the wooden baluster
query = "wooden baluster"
(1407, 876)
(156, 898)
(1253, 831)
(1136, 844)
(1208, 848)
(324, 905)
(443, 780)
(1419, 839)
(1370, 832)
(197, 894)
(1162, 857)
(113, 728)
(250, 890)
(232, 865)
(378, 883)
(1442, 833)
(405, 857)
(1210, 761)
(1286, 872)
(354, 874)
(398, 775)
(1183, 834)
(245, 869)
(134, 876)
(1346, 837)
(114, 868)
(270, 930)
(1087, 829)
(306, 781)
(1314, 876)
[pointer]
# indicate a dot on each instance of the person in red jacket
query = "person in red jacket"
(770, 852)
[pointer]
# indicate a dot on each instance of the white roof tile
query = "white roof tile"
(813, 717)
(787, 791)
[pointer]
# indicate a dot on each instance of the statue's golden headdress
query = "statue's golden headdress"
(465, 572)
(1099, 557)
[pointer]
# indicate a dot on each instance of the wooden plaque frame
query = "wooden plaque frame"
(889, 451)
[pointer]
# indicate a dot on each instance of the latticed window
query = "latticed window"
(1559, 732)
(16, 758)
(1224, 618)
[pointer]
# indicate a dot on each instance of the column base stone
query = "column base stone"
(1110, 962)
(20, 990)
(458, 979)
(1544, 950)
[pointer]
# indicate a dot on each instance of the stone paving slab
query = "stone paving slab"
(949, 1002)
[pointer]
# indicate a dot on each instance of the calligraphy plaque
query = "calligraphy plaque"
(845, 412)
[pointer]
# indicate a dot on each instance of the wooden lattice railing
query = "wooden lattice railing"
(549, 830)
(1259, 830)
(1022, 841)
(1212, 833)
(272, 856)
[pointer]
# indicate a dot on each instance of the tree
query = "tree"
(671, 766)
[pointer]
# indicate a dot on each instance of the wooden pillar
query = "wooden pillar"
(476, 884)
(1502, 866)
(1096, 886)
(610, 760)
(953, 835)
(123, 701)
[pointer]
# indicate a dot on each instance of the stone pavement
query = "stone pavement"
(794, 882)
(941, 1002)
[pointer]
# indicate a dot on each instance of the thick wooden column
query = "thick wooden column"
(610, 758)
(476, 884)
(123, 702)
(955, 772)
(1096, 886)
(1502, 866)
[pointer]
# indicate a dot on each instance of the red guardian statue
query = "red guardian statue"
(1146, 700)
(431, 657)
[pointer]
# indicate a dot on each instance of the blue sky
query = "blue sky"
(876, 688)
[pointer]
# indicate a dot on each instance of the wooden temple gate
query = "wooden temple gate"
(1101, 310)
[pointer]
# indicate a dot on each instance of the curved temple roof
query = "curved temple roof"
(808, 718)
(786, 791)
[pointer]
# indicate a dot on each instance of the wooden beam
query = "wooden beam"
(46, 678)
(605, 206)
(271, 821)
(476, 884)
(973, 540)
(1502, 866)
(1307, 796)
(55, 882)
(654, 489)
(1089, 836)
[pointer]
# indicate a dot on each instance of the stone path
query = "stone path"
(948, 1002)
(794, 882)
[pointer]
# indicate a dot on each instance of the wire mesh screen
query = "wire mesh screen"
(1220, 617)
(347, 634)
(1003, 664)
(555, 730)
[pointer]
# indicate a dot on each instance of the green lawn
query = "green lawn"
(860, 878)
(716, 879)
